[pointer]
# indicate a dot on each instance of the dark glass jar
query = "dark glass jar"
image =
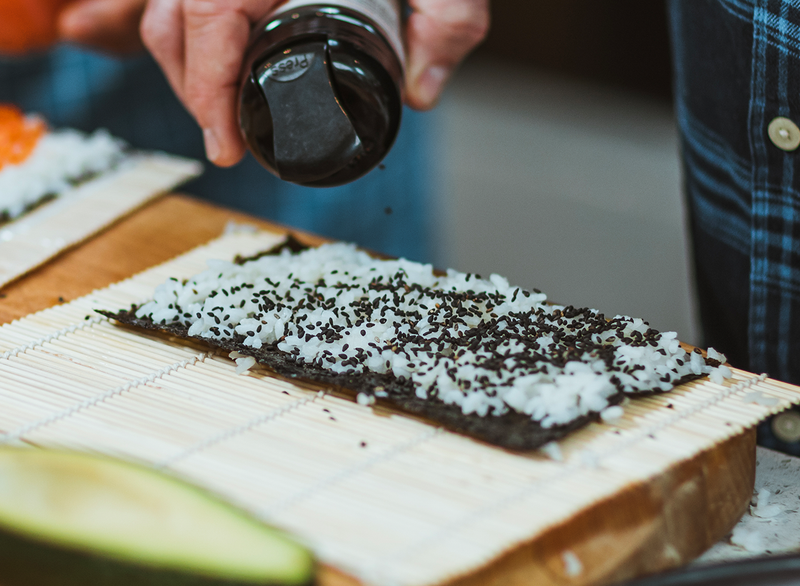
(321, 92)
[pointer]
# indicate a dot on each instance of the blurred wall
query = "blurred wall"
(619, 42)
(559, 160)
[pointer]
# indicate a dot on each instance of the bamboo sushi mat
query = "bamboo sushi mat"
(388, 499)
(75, 215)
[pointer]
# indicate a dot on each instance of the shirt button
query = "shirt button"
(784, 134)
(786, 426)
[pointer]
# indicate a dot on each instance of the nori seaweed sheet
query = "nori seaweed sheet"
(512, 431)
(5, 215)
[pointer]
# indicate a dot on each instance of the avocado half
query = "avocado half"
(70, 518)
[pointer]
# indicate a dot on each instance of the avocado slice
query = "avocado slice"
(73, 518)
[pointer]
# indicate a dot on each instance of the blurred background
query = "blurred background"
(555, 156)
(558, 160)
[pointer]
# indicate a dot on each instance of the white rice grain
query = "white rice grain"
(553, 451)
(748, 539)
(572, 565)
(612, 414)
(244, 364)
(365, 399)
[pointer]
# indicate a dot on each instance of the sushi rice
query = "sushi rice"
(59, 159)
(481, 344)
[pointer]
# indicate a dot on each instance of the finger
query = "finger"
(112, 25)
(216, 38)
(439, 35)
(161, 31)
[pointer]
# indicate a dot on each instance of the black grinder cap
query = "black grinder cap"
(318, 110)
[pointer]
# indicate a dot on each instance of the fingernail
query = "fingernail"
(212, 144)
(431, 84)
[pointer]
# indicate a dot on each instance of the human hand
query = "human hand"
(200, 45)
(439, 34)
(109, 25)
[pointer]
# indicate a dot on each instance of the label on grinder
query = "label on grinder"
(384, 13)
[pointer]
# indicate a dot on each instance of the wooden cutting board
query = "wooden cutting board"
(650, 526)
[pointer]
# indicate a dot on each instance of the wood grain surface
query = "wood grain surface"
(652, 526)
(649, 528)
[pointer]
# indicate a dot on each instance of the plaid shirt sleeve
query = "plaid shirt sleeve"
(738, 69)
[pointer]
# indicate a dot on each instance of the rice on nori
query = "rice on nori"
(478, 356)
(37, 165)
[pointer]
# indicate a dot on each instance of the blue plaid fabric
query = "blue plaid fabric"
(737, 65)
(389, 210)
(738, 68)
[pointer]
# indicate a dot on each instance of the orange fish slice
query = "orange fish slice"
(18, 135)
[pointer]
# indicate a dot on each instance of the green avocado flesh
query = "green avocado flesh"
(72, 518)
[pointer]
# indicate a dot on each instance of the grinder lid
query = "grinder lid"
(313, 136)
(319, 111)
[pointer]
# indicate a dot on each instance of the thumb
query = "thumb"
(111, 25)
